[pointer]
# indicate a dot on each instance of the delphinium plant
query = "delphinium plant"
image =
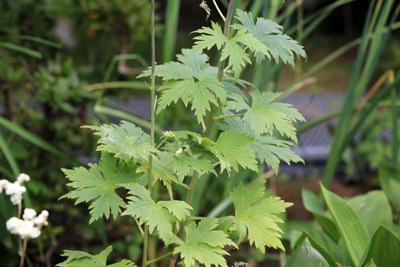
(27, 224)
(240, 128)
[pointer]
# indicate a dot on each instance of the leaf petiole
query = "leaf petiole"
(221, 117)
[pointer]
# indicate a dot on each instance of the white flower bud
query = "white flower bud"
(29, 214)
(178, 152)
(23, 178)
(3, 184)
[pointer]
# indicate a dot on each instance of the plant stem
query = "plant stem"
(146, 241)
(209, 119)
(23, 245)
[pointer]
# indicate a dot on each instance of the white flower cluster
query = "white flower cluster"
(16, 189)
(29, 226)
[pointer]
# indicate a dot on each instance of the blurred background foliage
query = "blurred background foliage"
(68, 63)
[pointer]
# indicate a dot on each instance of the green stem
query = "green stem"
(160, 258)
(221, 117)
(147, 244)
(23, 244)
(209, 120)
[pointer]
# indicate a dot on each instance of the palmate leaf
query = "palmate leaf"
(278, 46)
(162, 170)
(188, 154)
(268, 149)
(186, 163)
(233, 150)
(98, 184)
(233, 47)
(256, 216)
(265, 114)
(160, 216)
(126, 141)
(78, 258)
(204, 244)
(192, 80)
(272, 151)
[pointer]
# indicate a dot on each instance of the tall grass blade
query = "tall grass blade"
(368, 54)
(21, 49)
(32, 138)
(171, 29)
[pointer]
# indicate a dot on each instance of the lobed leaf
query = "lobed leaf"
(192, 80)
(126, 141)
(159, 216)
(233, 150)
(97, 185)
(278, 46)
(78, 258)
(257, 216)
(203, 243)
(233, 48)
(265, 114)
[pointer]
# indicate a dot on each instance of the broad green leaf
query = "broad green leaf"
(390, 183)
(126, 141)
(383, 250)
(78, 258)
(350, 226)
(203, 243)
(233, 150)
(308, 255)
(278, 46)
(160, 216)
(374, 210)
(98, 184)
(315, 205)
(257, 216)
(265, 114)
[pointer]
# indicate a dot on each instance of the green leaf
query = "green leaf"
(186, 163)
(314, 204)
(78, 258)
(374, 210)
(21, 49)
(306, 253)
(388, 180)
(233, 47)
(162, 170)
(160, 216)
(191, 80)
(265, 114)
(268, 149)
(351, 228)
(272, 151)
(126, 141)
(98, 184)
(278, 46)
(256, 216)
(233, 150)
(203, 244)
(383, 250)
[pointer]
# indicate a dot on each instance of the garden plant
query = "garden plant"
(189, 186)
(239, 127)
